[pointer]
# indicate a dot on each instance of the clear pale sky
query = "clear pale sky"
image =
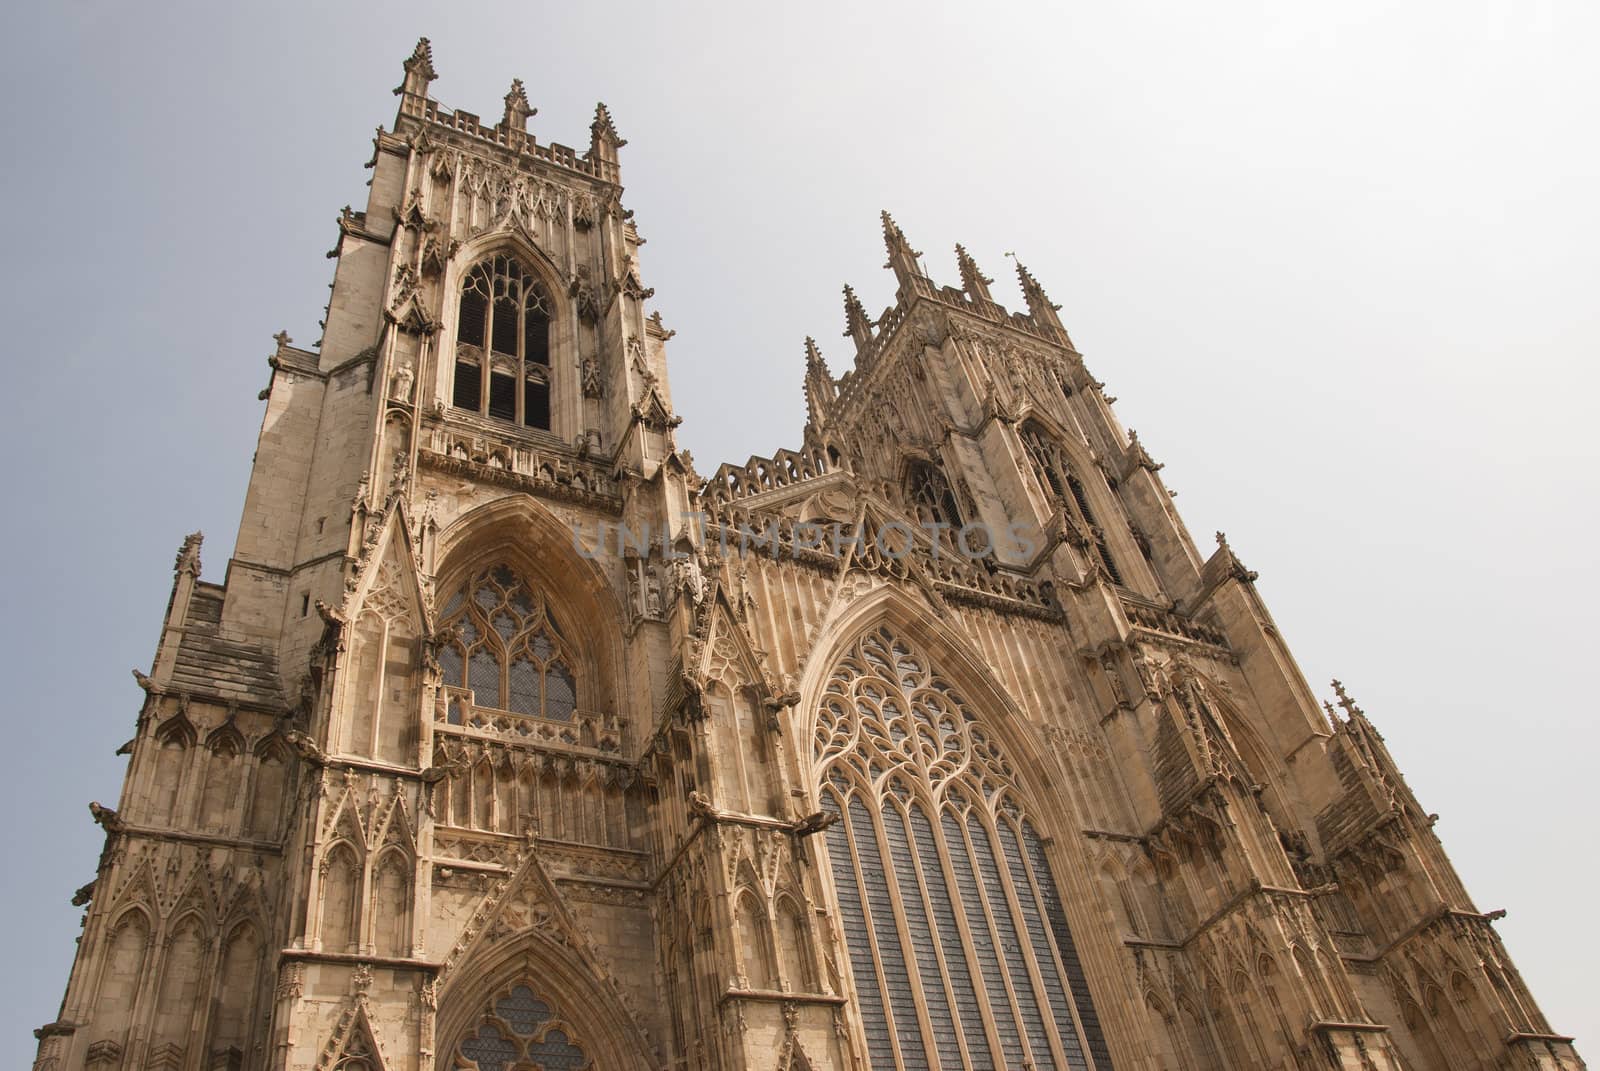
(1339, 262)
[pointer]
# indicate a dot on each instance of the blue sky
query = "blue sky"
(1337, 261)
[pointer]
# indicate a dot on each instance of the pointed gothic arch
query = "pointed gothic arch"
(529, 539)
(578, 1001)
(487, 266)
(930, 837)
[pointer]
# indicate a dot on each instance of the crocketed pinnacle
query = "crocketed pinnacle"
(603, 129)
(421, 62)
(856, 324)
(973, 281)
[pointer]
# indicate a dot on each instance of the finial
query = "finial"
(1222, 540)
(820, 390)
(517, 107)
(282, 339)
(419, 69)
(603, 127)
(814, 356)
(1346, 702)
(902, 258)
(188, 560)
(856, 324)
(973, 281)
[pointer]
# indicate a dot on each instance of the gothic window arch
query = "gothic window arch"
(508, 648)
(502, 365)
(953, 923)
(1057, 476)
(521, 1029)
(931, 496)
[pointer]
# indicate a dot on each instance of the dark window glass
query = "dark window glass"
(536, 338)
(470, 326)
(502, 396)
(536, 404)
(505, 327)
(469, 386)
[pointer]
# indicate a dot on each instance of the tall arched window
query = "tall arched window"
(957, 941)
(1055, 473)
(508, 648)
(503, 344)
(931, 496)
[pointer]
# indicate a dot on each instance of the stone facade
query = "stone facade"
(494, 751)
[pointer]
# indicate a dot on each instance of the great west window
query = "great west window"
(958, 943)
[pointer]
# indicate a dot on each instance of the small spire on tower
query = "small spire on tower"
(856, 324)
(1349, 705)
(820, 389)
(604, 143)
(419, 70)
(1039, 304)
(603, 129)
(517, 108)
(902, 258)
(973, 281)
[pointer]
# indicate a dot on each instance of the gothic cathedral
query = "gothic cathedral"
(510, 742)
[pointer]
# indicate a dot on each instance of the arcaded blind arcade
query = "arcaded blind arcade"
(971, 758)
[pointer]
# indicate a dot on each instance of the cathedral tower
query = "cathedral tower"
(510, 741)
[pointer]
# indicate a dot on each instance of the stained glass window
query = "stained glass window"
(958, 944)
(507, 648)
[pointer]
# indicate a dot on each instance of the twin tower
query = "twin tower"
(1013, 776)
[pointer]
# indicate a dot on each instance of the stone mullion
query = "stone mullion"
(889, 1014)
(938, 946)
(882, 813)
(988, 913)
(969, 940)
(866, 915)
(1076, 1026)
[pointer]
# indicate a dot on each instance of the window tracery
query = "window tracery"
(952, 919)
(502, 366)
(521, 1030)
(931, 496)
(507, 648)
(1055, 473)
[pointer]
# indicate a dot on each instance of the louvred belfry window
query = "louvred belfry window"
(957, 942)
(507, 647)
(502, 367)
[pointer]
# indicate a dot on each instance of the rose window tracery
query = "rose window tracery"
(956, 936)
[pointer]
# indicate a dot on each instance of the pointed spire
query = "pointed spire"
(820, 389)
(604, 143)
(603, 129)
(419, 70)
(1349, 705)
(517, 108)
(973, 281)
(856, 324)
(815, 365)
(902, 258)
(1039, 306)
